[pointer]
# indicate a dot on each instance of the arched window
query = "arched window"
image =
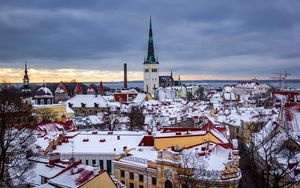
(168, 184)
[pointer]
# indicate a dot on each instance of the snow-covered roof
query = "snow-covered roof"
(40, 168)
(61, 88)
(70, 179)
(139, 98)
(247, 85)
(101, 143)
(88, 100)
(43, 92)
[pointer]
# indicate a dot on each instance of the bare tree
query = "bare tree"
(193, 172)
(277, 156)
(16, 136)
(136, 119)
(111, 121)
(45, 115)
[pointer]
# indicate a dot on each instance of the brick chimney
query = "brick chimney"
(125, 76)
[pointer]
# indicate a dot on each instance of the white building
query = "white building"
(165, 94)
(251, 88)
(98, 148)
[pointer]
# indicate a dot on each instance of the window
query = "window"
(94, 162)
(131, 175)
(146, 70)
(141, 186)
(87, 162)
(131, 185)
(123, 182)
(43, 180)
(153, 181)
(122, 173)
(141, 178)
(154, 70)
(101, 164)
(237, 130)
(108, 164)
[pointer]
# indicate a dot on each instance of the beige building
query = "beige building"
(159, 161)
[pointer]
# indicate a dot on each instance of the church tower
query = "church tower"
(151, 66)
(26, 91)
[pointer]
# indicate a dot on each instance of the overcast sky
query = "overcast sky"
(90, 40)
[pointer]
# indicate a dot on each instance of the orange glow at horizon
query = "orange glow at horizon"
(84, 75)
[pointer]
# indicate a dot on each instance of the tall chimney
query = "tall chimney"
(125, 76)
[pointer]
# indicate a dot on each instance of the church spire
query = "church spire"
(150, 56)
(26, 91)
(25, 67)
(26, 77)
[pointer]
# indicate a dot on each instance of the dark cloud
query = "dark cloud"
(194, 37)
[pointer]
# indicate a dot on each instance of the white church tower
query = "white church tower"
(151, 67)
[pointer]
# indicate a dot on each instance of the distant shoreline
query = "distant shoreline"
(293, 83)
(133, 81)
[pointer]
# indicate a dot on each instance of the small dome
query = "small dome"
(43, 92)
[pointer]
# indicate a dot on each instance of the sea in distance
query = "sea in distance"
(293, 84)
(217, 84)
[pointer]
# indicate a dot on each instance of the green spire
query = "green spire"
(150, 56)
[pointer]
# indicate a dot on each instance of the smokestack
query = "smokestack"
(125, 76)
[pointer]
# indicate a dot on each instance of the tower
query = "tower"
(151, 66)
(26, 87)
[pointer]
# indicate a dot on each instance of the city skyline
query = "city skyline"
(199, 41)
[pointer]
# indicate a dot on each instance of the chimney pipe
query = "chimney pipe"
(125, 76)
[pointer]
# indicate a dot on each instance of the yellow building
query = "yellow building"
(60, 111)
(102, 180)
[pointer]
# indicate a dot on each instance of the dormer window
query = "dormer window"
(70, 105)
(96, 105)
(83, 105)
